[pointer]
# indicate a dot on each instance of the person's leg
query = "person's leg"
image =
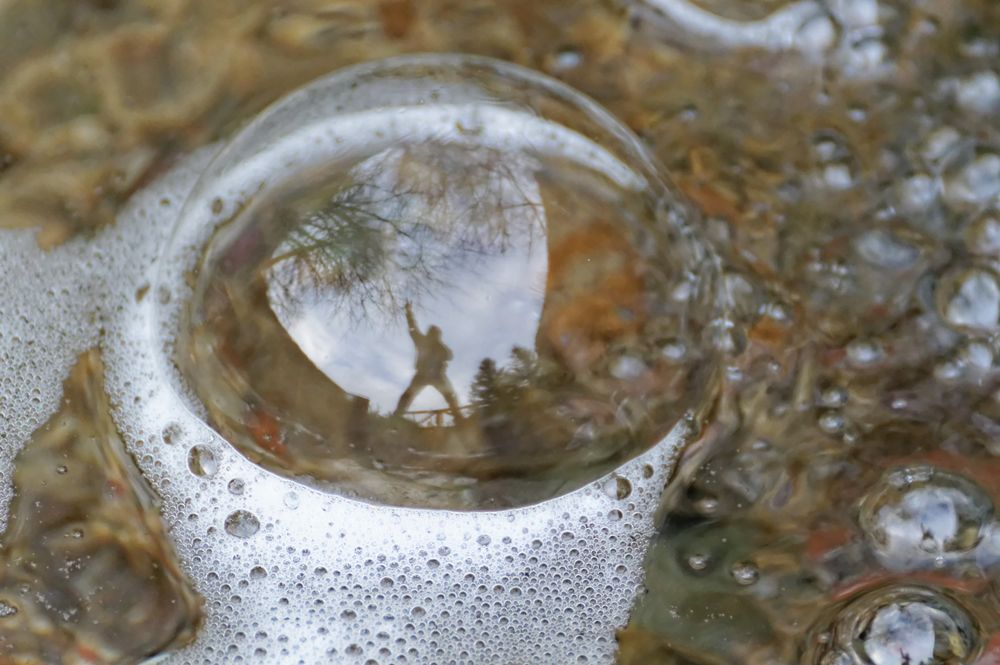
(444, 387)
(406, 399)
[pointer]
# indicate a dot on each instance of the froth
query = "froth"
(49, 314)
(321, 576)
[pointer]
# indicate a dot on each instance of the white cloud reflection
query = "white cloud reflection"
(487, 284)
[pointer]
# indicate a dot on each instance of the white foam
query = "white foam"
(325, 578)
(553, 581)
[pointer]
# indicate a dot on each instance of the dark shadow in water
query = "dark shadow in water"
(87, 573)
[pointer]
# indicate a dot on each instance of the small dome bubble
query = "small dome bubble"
(865, 352)
(834, 162)
(916, 515)
(968, 299)
(897, 626)
(940, 146)
(982, 236)
(917, 193)
(979, 93)
(697, 561)
(975, 184)
(832, 422)
(745, 573)
(172, 433)
(242, 524)
(202, 461)
(886, 249)
(618, 487)
(833, 397)
(707, 505)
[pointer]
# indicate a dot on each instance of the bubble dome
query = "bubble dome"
(438, 281)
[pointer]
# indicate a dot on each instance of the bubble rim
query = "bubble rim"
(182, 253)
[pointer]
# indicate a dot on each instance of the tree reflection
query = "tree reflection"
(499, 391)
(500, 282)
(400, 225)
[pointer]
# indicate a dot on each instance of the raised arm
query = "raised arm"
(411, 323)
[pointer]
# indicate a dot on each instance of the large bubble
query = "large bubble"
(919, 516)
(904, 625)
(774, 25)
(439, 281)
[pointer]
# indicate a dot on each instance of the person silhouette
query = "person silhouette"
(431, 367)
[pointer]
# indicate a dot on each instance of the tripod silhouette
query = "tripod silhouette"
(433, 356)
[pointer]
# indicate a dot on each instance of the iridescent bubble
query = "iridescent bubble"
(920, 516)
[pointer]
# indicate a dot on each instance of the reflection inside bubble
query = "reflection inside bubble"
(920, 516)
(465, 307)
(900, 626)
(370, 282)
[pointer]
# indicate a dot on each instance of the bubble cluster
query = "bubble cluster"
(844, 157)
